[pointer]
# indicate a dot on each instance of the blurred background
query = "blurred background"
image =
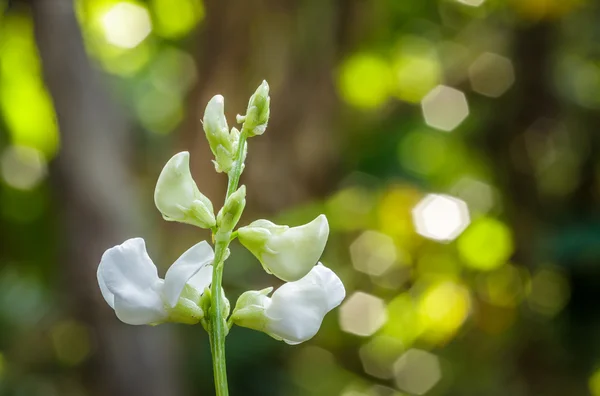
(453, 144)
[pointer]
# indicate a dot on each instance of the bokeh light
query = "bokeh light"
(486, 244)
(126, 24)
(443, 308)
(379, 354)
(373, 253)
(440, 217)
(362, 314)
(416, 69)
(594, 383)
(365, 81)
(550, 292)
(479, 196)
(491, 75)
(176, 18)
(417, 371)
(444, 108)
(71, 341)
(472, 3)
(22, 167)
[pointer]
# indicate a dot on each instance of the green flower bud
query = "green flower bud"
(257, 114)
(250, 309)
(177, 197)
(231, 212)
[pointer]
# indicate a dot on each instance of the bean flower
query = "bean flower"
(191, 291)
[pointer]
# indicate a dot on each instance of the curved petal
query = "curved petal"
(129, 280)
(177, 196)
(127, 266)
(298, 249)
(297, 308)
(195, 259)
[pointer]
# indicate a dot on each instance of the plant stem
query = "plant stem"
(218, 326)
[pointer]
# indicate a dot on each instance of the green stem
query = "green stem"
(218, 325)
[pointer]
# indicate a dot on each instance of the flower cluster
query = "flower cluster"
(129, 281)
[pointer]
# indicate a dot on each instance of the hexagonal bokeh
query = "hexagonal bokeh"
(417, 371)
(373, 253)
(362, 314)
(491, 74)
(444, 108)
(440, 217)
(379, 354)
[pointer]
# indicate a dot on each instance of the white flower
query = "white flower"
(296, 310)
(288, 253)
(130, 284)
(177, 197)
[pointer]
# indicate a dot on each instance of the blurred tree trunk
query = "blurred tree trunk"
(97, 199)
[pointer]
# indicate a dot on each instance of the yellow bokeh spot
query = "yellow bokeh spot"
(486, 244)
(365, 81)
(416, 69)
(550, 292)
(71, 341)
(505, 286)
(24, 101)
(443, 308)
(175, 18)
(594, 383)
(394, 215)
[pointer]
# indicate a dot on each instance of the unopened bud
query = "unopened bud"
(231, 212)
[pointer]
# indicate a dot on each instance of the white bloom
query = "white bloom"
(130, 284)
(296, 310)
(177, 197)
(288, 253)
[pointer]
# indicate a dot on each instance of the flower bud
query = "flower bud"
(231, 212)
(288, 253)
(177, 197)
(257, 114)
(296, 310)
(223, 144)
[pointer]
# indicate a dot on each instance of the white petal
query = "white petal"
(128, 274)
(177, 196)
(197, 258)
(144, 308)
(297, 308)
(108, 296)
(202, 279)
